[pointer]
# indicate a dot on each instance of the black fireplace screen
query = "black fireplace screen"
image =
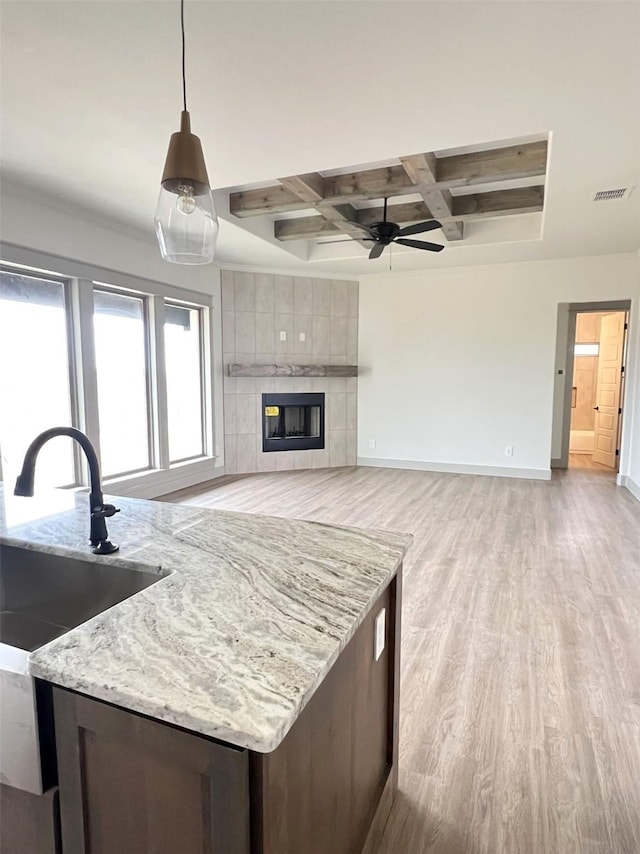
(292, 422)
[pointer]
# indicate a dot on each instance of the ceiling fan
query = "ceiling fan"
(385, 233)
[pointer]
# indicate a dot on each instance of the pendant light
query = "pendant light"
(185, 219)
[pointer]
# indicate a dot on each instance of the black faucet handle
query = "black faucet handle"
(103, 511)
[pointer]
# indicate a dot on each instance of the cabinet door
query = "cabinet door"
(30, 823)
(130, 785)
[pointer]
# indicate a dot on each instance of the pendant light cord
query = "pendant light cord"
(184, 75)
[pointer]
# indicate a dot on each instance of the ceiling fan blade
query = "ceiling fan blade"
(419, 227)
(377, 251)
(421, 244)
(363, 227)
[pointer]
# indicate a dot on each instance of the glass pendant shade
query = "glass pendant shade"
(185, 220)
(186, 230)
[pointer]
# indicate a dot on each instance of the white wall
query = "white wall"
(457, 364)
(50, 225)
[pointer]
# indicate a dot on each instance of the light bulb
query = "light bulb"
(186, 203)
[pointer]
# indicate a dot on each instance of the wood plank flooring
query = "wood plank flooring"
(520, 705)
(586, 461)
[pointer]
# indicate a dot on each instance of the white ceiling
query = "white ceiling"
(91, 92)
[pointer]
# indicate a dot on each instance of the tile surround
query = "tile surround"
(256, 307)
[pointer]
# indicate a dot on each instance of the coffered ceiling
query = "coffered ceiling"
(419, 186)
(348, 101)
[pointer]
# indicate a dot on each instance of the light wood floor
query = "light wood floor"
(520, 697)
(585, 461)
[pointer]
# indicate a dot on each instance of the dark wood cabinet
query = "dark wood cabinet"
(319, 791)
(29, 824)
(129, 784)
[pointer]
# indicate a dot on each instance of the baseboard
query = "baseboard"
(457, 468)
(630, 484)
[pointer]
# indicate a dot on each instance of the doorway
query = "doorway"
(595, 436)
(597, 390)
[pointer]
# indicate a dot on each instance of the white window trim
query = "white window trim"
(163, 477)
(151, 376)
(206, 399)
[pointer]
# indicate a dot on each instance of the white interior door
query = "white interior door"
(608, 389)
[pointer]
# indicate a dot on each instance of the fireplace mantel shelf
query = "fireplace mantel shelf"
(271, 370)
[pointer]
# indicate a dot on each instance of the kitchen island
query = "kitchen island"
(245, 703)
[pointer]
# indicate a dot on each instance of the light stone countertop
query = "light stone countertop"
(235, 641)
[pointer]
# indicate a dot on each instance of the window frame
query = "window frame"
(75, 395)
(203, 380)
(79, 280)
(72, 371)
(150, 378)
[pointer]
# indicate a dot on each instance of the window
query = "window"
(35, 387)
(121, 367)
(126, 361)
(184, 368)
(586, 349)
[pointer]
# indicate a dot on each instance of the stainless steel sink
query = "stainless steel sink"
(42, 595)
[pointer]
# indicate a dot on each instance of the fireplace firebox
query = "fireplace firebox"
(292, 422)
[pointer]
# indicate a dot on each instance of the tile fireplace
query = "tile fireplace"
(291, 335)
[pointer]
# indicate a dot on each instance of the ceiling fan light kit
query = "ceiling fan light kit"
(185, 220)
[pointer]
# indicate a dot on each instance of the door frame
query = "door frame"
(575, 308)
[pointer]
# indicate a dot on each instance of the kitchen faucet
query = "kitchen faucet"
(99, 511)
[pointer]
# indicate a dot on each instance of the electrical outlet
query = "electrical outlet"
(379, 635)
(283, 335)
(302, 336)
(508, 451)
(372, 443)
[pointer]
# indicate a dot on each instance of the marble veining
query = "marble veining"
(235, 640)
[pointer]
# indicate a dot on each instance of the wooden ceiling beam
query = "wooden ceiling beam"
(403, 213)
(308, 188)
(309, 227)
(267, 200)
(475, 206)
(422, 170)
(465, 208)
(305, 228)
(497, 164)
(520, 200)
(369, 184)
(342, 216)
(482, 167)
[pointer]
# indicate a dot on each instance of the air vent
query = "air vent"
(610, 195)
